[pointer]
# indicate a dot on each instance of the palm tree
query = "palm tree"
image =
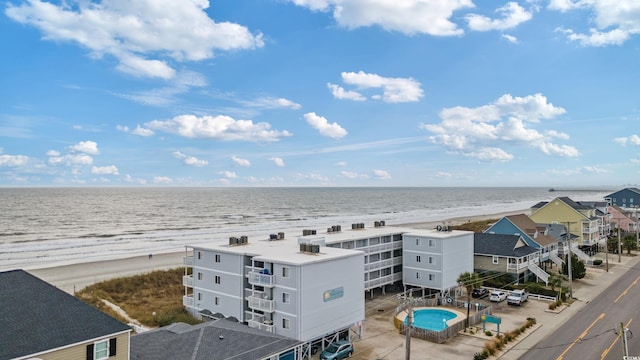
(469, 280)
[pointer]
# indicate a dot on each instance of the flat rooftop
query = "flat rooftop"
(287, 249)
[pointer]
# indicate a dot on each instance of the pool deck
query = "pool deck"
(460, 317)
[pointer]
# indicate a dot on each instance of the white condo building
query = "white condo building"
(312, 286)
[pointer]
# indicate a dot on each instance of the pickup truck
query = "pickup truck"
(517, 297)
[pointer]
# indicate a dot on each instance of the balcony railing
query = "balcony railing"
(257, 303)
(251, 316)
(187, 280)
(187, 300)
(187, 260)
(266, 326)
(257, 278)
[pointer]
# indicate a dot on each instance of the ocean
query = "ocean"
(44, 227)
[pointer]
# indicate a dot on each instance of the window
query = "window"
(432, 277)
(199, 296)
(417, 242)
(199, 276)
(285, 272)
(285, 324)
(285, 298)
(430, 260)
(495, 260)
(417, 275)
(430, 243)
(217, 300)
(217, 279)
(417, 258)
(199, 255)
(101, 350)
(217, 258)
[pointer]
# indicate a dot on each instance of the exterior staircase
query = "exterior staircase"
(581, 255)
(556, 259)
(541, 274)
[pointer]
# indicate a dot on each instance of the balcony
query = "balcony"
(267, 325)
(261, 304)
(251, 316)
(187, 260)
(258, 278)
(187, 300)
(187, 280)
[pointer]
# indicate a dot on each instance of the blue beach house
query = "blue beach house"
(625, 198)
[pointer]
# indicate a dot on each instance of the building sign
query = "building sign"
(333, 294)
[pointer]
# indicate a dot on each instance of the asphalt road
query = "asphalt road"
(592, 333)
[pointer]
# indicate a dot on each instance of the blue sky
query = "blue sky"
(320, 93)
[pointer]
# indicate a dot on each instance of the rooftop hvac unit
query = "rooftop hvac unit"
(335, 228)
(303, 247)
(280, 235)
(244, 239)
(273, 237)
(313, 232)
(354, 226)
(382, 223)
(329, 229)
(233, 240)
(315, 249)
(306, 232)
(376, 224)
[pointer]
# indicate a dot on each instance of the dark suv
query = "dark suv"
(480, 293)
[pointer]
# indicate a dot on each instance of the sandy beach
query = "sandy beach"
(74, 277)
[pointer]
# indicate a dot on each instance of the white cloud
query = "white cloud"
(339, 92)
(189, 160)
(512, 15)
(219, 127)
(71, 159)
(140, 131)
(87, 147)
(633, 140)
(353, 175)
(104, 170)
(182, 83)
(228, 174)
(273, 103)
(162, 180)
(394, 90)
(13, 160)
(381, 174)
(134, 31)
(614, 21)
(595, 169)
(241, 162)
(321, 124)
(408, 16)
(482, 131)
(342, 163)
(278, 161)
(510, 38)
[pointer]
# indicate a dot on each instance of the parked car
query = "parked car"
(338, 350)
(517, 297)
(480, 293)
(497, 296)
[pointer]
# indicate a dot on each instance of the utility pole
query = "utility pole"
(619, 245)
(625, 345)
(569, 259)
(407, 340)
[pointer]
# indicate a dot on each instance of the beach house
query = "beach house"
(625, 198)
(508, 254)
(215, 339)
(585, 224)
(40, 321)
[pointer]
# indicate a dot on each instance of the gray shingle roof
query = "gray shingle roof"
(500, 245)
(35, 316)
(212, 340)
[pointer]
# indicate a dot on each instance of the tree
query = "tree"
(629, 243)
(469, 280)
(555, 280)
(578, 269)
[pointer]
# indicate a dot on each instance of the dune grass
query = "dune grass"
(153, 299)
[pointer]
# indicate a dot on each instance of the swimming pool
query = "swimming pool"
(431, 319)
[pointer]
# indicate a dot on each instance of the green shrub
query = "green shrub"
(488, 333)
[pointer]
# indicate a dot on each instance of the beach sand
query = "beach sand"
(74, 277)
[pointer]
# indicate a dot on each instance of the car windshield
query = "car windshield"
(332, 348)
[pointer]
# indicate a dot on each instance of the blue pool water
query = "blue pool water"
(431, 319)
